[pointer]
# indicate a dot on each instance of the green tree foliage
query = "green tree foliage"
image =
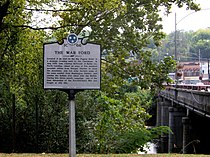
(114, 125)
(183, 45)
(34, 118)
(189, 44)
(201, 42)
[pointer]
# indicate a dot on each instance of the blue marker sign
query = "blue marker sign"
(72, 39)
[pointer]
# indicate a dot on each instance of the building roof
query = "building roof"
(193, 66)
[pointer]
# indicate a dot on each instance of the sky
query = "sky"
(187, 19)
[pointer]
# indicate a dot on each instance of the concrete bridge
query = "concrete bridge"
(186, 110)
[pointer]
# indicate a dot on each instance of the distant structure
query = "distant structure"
(194, 70)
(190, 71)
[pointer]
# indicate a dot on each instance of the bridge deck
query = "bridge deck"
(193, 97)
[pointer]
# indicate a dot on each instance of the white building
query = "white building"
(204, 69)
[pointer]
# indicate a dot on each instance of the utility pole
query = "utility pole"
(208, 69)
(175, 40)
(175, 51)
(199, 59)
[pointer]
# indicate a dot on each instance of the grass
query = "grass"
(103, 155)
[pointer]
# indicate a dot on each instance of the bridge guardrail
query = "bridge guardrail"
(193, 97)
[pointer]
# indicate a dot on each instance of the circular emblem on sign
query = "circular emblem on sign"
(72, 39)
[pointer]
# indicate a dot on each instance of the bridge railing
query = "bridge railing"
(194, 97)
(190, 86)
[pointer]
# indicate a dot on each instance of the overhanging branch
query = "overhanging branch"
(51, 10)
(97, 18)
(126, 73)
(45, 28)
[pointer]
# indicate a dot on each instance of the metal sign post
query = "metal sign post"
(71, 67)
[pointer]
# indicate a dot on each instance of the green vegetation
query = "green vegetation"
(190, 45)
(36, 120)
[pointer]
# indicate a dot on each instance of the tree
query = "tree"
(119, 26)
(183, 42)
(188, 45)
(201, 42)
(114, 125)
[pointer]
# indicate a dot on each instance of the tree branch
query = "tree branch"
(51, 10)
(97, 18)
(45, 28)
(126, 73)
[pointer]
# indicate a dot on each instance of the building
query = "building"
(190, 71)
(205, 70)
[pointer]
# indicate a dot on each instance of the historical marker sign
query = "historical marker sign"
(72, 65)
